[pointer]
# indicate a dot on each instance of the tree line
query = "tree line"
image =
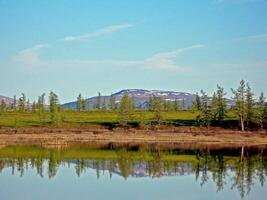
(249, 111)
(39, 106)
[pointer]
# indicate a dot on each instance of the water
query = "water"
(84, 173)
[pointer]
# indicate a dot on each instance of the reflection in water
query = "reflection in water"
(218, 166)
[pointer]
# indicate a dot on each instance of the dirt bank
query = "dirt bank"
(181, 136)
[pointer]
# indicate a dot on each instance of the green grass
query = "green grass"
(85, 153)
(94, 118)
(76, 152)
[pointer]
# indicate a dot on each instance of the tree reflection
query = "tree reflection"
(241, 172)
(218, 170)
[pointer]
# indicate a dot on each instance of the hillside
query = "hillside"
(140, 98)
(5, 99)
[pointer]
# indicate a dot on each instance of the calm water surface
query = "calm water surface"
(86, 173)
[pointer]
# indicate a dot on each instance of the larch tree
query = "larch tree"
(84, 106)
(33, 107)
(219, 105)
(40, 106)
(103, 106)
(54, 108)
(183, 104)
(194, 107)
(112, 103)
(176, 105)
(28, 105)
(265, 114)
(214, 106)
(249, 104)
(205, 116)
(260, 111)
(79, 102)
(168, 106)
(239, 99)
(22, 103)
(156, 108)
(98, 101)
(125, 110)
(14, 104)
(3, 106)
(222, 104)
(150, 103)
(198, 102)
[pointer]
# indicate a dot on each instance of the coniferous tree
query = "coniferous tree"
(222, 105)
(125, 111)
(183, 104)
(156, 107)
(22, 103)
(103, 106)
(3, 106)
(33, 106)
(84, 104)
(193, 107)
(79, 102)
(14, 104)
(176, 105)
(28, 105)
(54, 108)
(198, 102)
(244, 104)
(98, 101)
(239, 99)
(112, 103)
(214, 106)
(265, 114)
(205, 116)
(249, 103)
(165, 105)
(260, 111)
(40, 106)
(41, 102)
(168, 106)
(218, 105)
(150, 103)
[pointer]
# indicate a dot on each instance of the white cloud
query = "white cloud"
(162, 60)
(29, 57)
(165, 60)
(103, 31)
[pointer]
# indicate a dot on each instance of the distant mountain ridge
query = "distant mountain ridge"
(7, 100)
(140, 98)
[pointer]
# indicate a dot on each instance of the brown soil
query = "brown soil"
(171, 137)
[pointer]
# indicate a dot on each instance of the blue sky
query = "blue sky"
(89, 46)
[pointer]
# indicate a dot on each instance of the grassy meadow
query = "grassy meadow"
(96, 119)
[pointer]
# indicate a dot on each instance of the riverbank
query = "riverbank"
(167, 137)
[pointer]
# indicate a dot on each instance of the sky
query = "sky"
(91, 46)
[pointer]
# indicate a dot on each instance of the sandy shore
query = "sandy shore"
(181, 136)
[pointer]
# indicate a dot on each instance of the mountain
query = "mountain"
(5, 99)
(140, 98)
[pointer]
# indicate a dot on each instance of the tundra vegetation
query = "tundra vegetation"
(246, 112)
